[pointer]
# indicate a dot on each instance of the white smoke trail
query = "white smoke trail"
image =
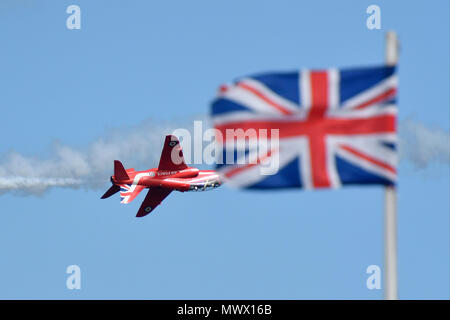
(423, 145)
(90, 167)
(140, 147)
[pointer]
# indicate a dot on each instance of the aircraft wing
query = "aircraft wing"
(172, 156)
(153, 198)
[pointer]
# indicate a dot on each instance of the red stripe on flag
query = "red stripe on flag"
(318, 156)
(319, 93)
(260, 95)
(317, 146)
(238, 169)
(368, 158)
(292, 128)
(383, 96)
(379, 124)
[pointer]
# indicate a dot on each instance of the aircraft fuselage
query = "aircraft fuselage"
(189, 179)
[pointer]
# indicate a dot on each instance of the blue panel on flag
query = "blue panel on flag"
(287, 177)
(390, 145)
(354, 81)
(224, 105)
(284, 84)
(350, 174)
(232, 156)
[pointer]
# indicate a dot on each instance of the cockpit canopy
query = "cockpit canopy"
(204, 185)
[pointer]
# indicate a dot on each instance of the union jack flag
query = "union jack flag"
(336, 127)
(128, 192)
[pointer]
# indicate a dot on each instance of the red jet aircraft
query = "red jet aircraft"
(171, 174)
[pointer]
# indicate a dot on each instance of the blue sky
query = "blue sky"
(151, 61)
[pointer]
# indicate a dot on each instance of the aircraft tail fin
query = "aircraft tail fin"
(119, 171)
(172, 155)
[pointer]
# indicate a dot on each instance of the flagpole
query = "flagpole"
(390, 206)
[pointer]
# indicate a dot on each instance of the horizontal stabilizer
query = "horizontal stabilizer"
(114, 189)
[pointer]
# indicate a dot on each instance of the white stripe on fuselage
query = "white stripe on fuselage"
(138, 177)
